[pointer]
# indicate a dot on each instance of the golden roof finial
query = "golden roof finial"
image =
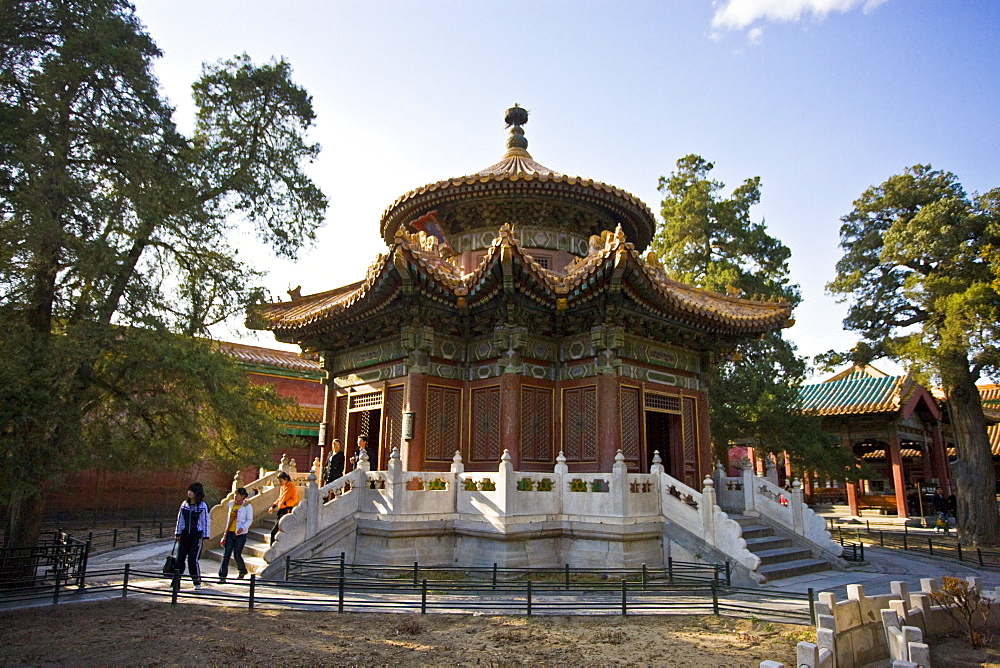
(515, 117)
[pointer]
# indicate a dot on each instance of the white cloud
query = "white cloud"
(738, 14)
(755, 35)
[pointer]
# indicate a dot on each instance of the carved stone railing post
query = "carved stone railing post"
(458, 471)
(283, 464)
(707, 508)
(237, 480)
(770, 472)
(720, 474)
(506, 485)
(292, 466)
(749, 479)
(363, 464)
(619, 485)
(312, 505)
(798, 506)
(561, 469)
(394, 482)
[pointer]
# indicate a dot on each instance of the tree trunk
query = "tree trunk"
(974, 475)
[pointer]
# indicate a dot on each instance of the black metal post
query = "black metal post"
(138, 534)
(566, 568)
(423, 598)
(288, 567)
(494, 575)
(930, 547)
(670, 570)
(416, 573)
(905, 546)
(83, 567)
(729, 574)
(114, 537)
(340, 594)
(979, 553)
(253, 589)
(958, 544)
(529, 597)
(125, 583)
(881, 539)
(644, 577)
(715, 599)
(343, 560)
(624, 597)
(55, 591)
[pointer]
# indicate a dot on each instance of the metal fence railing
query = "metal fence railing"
(944, 546)
(58, 557)
(332, 568)
(520, 597)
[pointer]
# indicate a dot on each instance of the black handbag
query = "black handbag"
(170, 565)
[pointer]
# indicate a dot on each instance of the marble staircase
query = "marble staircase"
(779, 557)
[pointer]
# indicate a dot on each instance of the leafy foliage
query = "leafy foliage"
(916, 272)
(115, 251)
(712, 242)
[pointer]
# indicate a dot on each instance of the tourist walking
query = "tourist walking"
(192, 532)
(240, 519)
(288, 496)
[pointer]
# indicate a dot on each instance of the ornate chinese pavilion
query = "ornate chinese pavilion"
(513, 310)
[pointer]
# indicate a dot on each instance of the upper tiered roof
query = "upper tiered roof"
(517, 175)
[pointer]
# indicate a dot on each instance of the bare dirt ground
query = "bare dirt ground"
(137, 632)
(953, 652)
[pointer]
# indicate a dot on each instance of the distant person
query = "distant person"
(335, 464)
(240, 519)
(288, 496)
(372, 451)
(940, 504)
(953, 506)
(192, 531)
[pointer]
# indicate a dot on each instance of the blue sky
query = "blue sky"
(820, 98)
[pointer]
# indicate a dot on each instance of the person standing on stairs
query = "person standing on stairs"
(192, 531)
(287, 498)
(335, 464)
(240, 519)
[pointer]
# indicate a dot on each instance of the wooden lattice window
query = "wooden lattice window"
(444, 409)
(366, 401)
(392, 412)
(536, 424)
(340, 429)
(663, 402)
(690, 439)
(631, 421)
(580, 424)
(485, 416)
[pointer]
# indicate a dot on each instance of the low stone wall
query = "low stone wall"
(888, 628)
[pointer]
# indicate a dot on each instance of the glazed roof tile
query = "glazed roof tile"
(416, 259)
(282, 359)
(853, 394)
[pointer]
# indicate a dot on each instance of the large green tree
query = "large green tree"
(711, 241)
(115, 248)
(917, 277)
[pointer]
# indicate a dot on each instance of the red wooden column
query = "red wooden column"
(415, 401)
(510, 417)
(895, 459)
(852, 487)
(939, 459)
(609, 421)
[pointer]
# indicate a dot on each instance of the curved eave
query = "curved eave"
(622, 206)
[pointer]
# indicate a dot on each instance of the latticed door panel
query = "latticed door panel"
(485, 416)
(340, 429)
(689, 426)
(536, 424)
(631, 424)
(580, 424)
(392, 412)
(444, 408)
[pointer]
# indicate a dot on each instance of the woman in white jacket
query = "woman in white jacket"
(240, 519)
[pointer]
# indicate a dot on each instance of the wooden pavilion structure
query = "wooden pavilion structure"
(893, 424)
(513, 311)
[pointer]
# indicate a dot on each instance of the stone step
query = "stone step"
(743, 520)
(767, 543)
(757, 531)
(254, 563)
(782, 555)
(790, 569)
